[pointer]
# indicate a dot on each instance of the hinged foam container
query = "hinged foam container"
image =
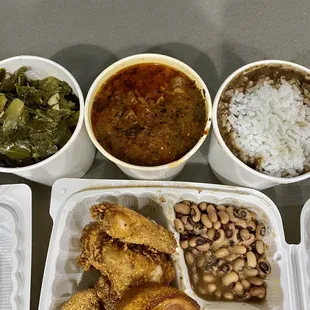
(288, 283)
(15, 246)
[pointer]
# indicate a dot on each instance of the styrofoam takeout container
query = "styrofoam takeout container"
(225, 165)
(163, 172)
(76, 157)
(70, 203)
(15, 246)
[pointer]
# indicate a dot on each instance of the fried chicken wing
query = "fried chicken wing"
(84, 300)
(128, 250)
(153, 296)
(125, 265)
(131, 227)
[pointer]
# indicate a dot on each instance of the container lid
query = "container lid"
(15, 246)
(304, 255)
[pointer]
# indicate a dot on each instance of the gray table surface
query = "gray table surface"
(215, 37)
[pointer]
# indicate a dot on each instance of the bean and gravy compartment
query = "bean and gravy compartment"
(224, 250)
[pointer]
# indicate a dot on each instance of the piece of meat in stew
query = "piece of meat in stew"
(148, 115)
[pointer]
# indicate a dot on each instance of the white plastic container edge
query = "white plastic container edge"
(71, 199)
(15, 246)
(303, 256)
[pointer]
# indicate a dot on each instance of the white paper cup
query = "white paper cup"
(76, 157)
(163, 172)
(225, 165)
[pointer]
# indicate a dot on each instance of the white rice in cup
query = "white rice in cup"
(261, 121)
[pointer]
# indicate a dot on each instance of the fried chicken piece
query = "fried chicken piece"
(153, 296)
(84, 300)
(128, 249)
(131, 227)
(106, 293)
(125, 265)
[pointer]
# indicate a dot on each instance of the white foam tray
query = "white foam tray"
(288, 284)
(15, 246)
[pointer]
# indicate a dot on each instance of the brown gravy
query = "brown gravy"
(148, 115)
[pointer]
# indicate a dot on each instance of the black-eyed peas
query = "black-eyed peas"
(223, 249)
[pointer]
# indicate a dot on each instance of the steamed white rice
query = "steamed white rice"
(271, 124)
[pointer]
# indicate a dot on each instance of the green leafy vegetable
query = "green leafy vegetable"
(2, 74)
(3, 101)
(12, 115)
(17, 152)
(65, 104)
(30, 94)
(62, 136)
(50, 86)
(9, 83)
(37, 117)
(73, 119)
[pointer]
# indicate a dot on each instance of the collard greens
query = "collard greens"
(37, 117)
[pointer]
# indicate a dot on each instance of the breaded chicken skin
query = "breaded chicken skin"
(131, 227)
(84, 300)
(106, 293)
(153, 296)
(128, 250)
(125, 265)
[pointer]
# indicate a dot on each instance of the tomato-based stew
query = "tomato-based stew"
(148, 115)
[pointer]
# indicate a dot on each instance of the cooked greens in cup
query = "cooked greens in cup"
(37, 117)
